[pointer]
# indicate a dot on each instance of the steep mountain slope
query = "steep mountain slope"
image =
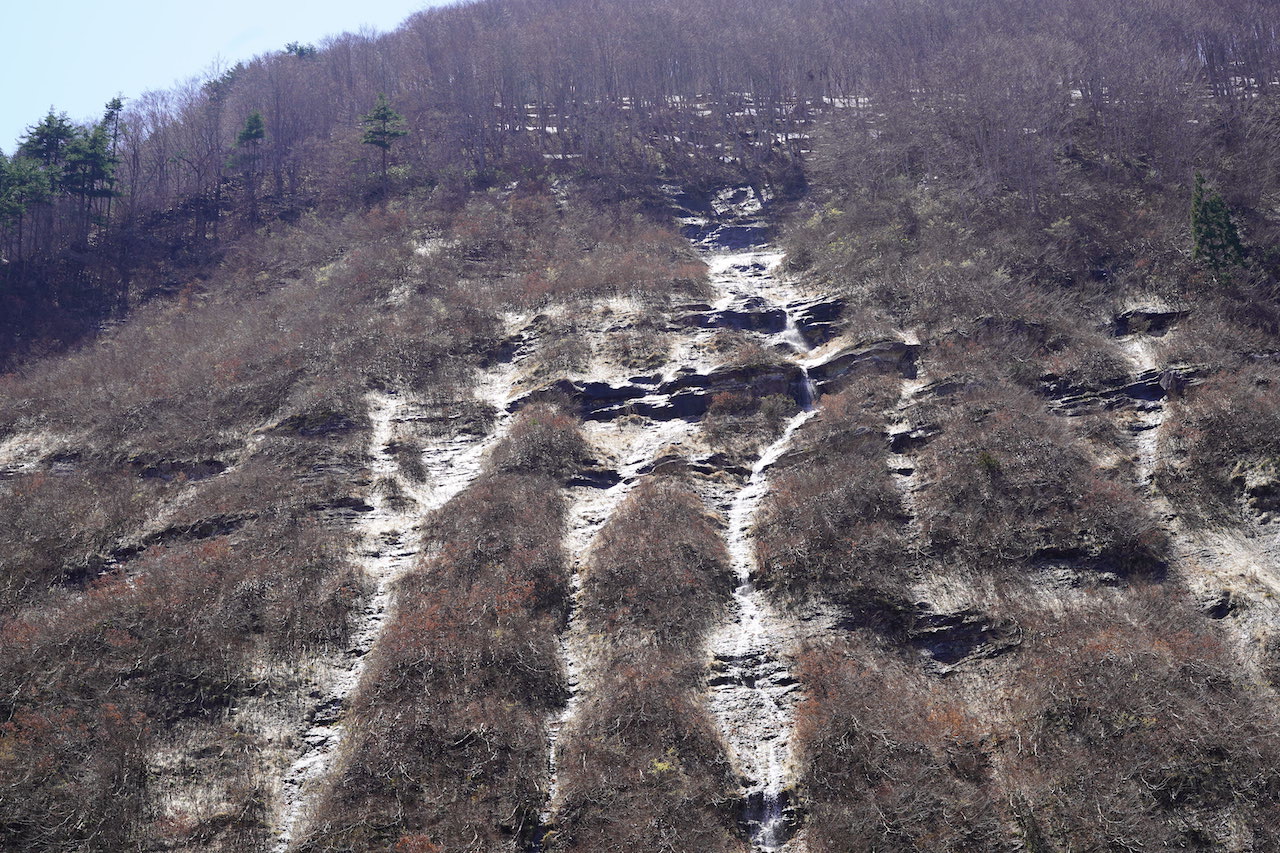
(844, 444)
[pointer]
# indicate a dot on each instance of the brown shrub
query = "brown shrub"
(1217, 342)
(889, 760)
(448, 725)
(669, 587)
(544, 441)
(70, 777)
(1133, 721)
(1124, 717)
(644, 348)
(569, 251)
(1221, 448)
(832, 529)
(278, 333)
(739, 421)
(641, 763)
(643, 766)
(1026, 347)
(91, 683)
(831, 523)
(60, 527)
(1007, 484)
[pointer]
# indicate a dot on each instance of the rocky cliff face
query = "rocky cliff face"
(732, 563)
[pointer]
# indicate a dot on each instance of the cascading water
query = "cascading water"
(753, 693)
(752, 669)
(793, 337)
(753, 690)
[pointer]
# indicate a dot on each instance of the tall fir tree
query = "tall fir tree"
(382, 126)
(253, 132)
(249, 139)
(111, 120)
(90, 168)
(47, 143)
(22, 184)
(1215, 239)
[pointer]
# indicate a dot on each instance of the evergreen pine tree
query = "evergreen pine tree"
(111, 119)
(89, 166)
(302, 51)
(250, 138)
(11, 204)
(1215, 240)
(47, 143)
(22, 184)
(383, 126)
(253, 132)
(89, 171)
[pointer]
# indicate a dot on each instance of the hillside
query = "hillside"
(806, 427)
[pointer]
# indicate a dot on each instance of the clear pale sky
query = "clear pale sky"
(75, 55)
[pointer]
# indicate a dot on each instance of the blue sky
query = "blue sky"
(75, 55)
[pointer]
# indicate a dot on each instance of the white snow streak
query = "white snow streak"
(386, 550)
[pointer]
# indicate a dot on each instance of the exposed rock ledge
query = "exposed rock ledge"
(688, 395)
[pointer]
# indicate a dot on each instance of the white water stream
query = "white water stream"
(753, 691)
(753, 698)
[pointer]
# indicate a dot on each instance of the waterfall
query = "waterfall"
(753, 669)
(753, 691)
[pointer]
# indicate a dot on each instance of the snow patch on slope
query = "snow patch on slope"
(387, 548)
(634, 446)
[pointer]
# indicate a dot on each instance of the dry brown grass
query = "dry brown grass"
(641, 763)
(1008, 484)
(448, 725)
(1220, 450)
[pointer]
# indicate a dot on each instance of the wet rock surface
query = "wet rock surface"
(1221, 605)
(945, 638)
(312, 424)
(818, 319)
(771, 823)
(913, 438)
(385, 522)
(752, 692)
(689, 394)
(686, 396)
(950, 639)
(205, 528)
(173, 469)
(594, 478)
(754, 315)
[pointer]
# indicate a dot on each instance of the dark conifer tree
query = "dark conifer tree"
(249, 139)
(89, 172)
(1216, 242)
(111, 122)
(22, 184)
(382, 126)
(47, 142)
